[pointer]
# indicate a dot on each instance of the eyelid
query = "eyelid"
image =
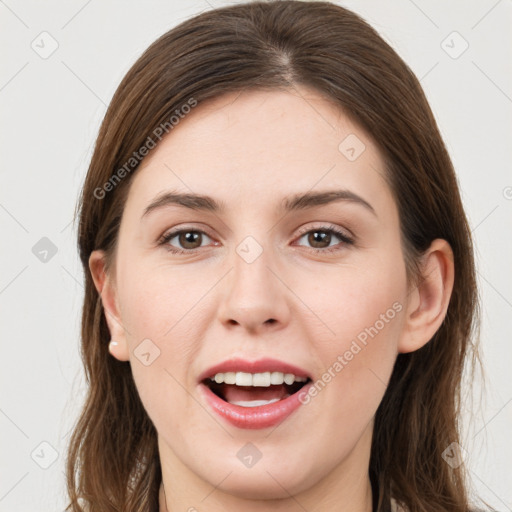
(178, 229)
(330, 227)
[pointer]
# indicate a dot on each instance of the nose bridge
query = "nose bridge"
(254, 296)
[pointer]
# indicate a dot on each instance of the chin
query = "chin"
(262, 485)
(271, 477)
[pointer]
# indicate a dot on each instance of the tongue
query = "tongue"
(233, 393)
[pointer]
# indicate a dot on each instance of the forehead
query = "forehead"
(257, 145)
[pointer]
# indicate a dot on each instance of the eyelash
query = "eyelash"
(345, 239)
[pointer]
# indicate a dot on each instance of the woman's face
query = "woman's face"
(261, 288)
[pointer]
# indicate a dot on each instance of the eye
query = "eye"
(189, 239)
(321, 238)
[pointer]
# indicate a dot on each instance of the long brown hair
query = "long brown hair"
(113, 461)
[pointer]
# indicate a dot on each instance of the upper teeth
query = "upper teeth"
(264, 379)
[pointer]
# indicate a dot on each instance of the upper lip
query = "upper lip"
(259, 366)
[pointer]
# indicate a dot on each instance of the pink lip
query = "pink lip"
(263, 416)
(260, 417)
(262, 365)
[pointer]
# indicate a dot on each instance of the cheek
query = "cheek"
(358, 302)
(365, 314)
(159, 302)
(165, 312)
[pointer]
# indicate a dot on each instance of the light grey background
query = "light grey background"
(51, 109)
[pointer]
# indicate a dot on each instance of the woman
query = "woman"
(280, 286)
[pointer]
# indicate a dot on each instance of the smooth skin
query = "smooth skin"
(250, 151)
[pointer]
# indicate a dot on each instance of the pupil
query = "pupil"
(323, 236)
(189, 237)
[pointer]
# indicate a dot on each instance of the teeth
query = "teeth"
(261, 379)
(243, 379)
(264, 379)
(227, 378)
(276, 378)
(289, 378)
(254, 403)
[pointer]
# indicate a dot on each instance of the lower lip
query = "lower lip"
(263, 416)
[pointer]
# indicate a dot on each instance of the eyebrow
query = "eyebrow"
(293, 203)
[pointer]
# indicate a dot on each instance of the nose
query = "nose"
(254, 296)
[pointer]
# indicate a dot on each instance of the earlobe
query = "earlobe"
(105, 286)
(428, 302)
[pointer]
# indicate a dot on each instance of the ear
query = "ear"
(105, 285)
(428, 302)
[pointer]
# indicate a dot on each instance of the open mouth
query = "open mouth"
(254, 389)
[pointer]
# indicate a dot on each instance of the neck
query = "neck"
(346, 488)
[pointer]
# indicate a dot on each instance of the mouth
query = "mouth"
(254, 389)
(263, 395)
